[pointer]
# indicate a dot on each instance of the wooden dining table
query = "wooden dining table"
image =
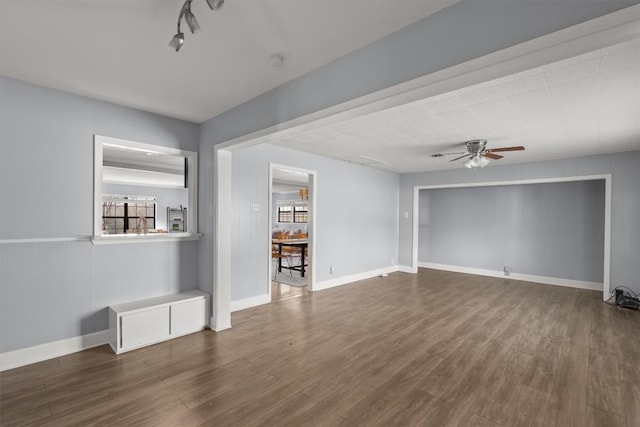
(296, 243)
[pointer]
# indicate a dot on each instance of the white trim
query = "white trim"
(221, 294)
(415, 228)
(38, 353)
(98, 162)
(220, 327)
(345, 280)
(311, 224)
(605, 287)
(243, 304)
(115, 239)
(270, 243)
(557, 281)
(516, 181)
(45, 240)
(192, 178)
(407, 269)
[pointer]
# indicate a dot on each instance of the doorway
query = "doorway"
(606, 250)
(291, 223)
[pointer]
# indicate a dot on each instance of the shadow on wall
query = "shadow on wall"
(187, 267)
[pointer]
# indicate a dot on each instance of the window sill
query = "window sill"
(144, 238)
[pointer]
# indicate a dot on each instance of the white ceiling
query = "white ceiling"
(586, 105)
(117, 51)
(288, 180)
(130, 165)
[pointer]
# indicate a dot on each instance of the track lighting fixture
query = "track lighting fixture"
(192, 22)
(177, 40)
(185, 12)
(215, 4)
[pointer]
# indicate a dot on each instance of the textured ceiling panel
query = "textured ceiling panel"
(588, 104)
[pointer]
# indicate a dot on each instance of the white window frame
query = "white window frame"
(192, 183)
(292, 204)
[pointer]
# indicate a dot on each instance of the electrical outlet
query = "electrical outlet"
(331, 269)
(393, 261)
(506, 270)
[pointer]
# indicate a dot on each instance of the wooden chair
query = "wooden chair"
(278, 257)
(294, 252)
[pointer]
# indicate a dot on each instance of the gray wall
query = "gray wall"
(51, 291)
(625, 194)
(551, 229)
(356, 217)
(166, 197)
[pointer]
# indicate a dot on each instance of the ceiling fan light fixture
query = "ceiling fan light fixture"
(478, 155)
(477, 161)
(215, 4)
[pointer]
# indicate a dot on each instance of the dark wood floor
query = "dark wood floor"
(433, 349)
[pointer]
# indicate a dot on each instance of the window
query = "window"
(292, 211)
(165, 177)
(300, 212)
(284, 213)
(128, 214)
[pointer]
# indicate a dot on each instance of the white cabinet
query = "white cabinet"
(144, 326)
(186, 316)
(139, 323)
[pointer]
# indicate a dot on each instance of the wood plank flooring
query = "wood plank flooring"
(432, 349)
(282, 291)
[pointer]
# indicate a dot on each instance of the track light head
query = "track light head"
(177, 41)
(192, 22)
(185, 12)
(215, 4)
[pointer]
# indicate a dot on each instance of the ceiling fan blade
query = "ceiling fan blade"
(493, 156)
(447, 154)
(461, 157)
(497, 150)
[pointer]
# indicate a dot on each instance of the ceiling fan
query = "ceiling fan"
(478, 154)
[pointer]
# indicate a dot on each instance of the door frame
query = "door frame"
(606, 284)
(311, 224)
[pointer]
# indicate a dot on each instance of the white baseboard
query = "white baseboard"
(250, 302)
(38, 353)
(339, 281)
(218, 328)
(594, 286)
(407, 269)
